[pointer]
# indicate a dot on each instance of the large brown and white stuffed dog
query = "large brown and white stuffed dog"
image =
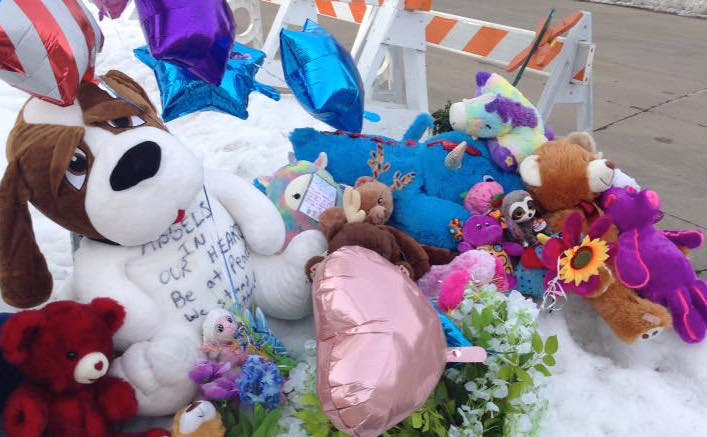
(164, 237)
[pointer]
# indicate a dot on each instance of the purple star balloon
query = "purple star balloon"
(196, 35)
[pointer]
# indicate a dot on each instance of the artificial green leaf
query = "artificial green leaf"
(549, 360)
(523, 376)
(551, 345)
(310, 400)
(537, 342)
(258, 414)
(229, 419)
(527, 357)
(487, 316)
(268, 422)
(476, 321)
(416, 419)
(505, 373)
(542, 369)
(515, 390)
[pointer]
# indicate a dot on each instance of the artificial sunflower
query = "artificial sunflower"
(579, 263)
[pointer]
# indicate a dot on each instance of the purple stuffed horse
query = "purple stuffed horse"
(652, 261)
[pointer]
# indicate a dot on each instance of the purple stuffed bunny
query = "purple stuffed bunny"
(652, 261)
(483, 232)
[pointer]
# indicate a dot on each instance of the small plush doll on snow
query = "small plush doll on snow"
(64, 351)
(653, 261)
(501, 114)
(198, 419)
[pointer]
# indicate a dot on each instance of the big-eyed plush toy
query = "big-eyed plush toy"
(164, 237)
(565, 177)
(289, 187)
(653, 261)
(64, 351)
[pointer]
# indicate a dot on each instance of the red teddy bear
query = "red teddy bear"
(63, 351)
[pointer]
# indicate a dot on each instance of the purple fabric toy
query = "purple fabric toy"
(483, 232)
(652, 261)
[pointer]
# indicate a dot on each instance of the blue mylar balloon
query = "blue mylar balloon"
(183, 93)
(323, 76)
(454, 335)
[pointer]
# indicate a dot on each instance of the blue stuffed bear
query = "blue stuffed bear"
(425, 208)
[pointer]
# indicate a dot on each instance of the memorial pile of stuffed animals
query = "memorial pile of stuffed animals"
(372, 286)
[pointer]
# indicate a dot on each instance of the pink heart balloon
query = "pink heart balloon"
(381, 348)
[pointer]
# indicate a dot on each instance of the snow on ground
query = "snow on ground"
(601, 386)
(679, 7)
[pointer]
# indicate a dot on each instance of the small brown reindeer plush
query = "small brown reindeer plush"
(376, 197)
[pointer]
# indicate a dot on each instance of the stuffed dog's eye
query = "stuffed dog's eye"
(78, 168)
(488, 178)
(126, 122)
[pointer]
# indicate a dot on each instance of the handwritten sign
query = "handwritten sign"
(196, 265)
(320, 196)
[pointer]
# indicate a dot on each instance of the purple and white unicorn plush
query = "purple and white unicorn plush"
(501, 114)
(653, 262)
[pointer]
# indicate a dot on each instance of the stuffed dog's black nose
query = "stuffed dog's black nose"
(137, 164)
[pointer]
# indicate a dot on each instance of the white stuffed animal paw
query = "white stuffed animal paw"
(159, 372)
(282, 289)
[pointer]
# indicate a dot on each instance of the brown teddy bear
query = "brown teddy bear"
(376, 198)
(567, 175)
(344, 227)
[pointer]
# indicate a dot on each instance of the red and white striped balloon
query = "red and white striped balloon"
(48, 47)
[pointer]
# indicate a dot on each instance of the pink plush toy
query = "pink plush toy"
(476, 265)
(483, 197)
(652, 261)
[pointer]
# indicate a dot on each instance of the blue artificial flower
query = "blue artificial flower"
(260, 382)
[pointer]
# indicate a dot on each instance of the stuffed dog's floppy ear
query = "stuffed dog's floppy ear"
(24, 277)
(18, 335)
(116, 79)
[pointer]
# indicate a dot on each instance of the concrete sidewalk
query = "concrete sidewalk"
(650, 76)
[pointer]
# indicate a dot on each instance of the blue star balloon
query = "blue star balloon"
(323, 76)
(183, 93)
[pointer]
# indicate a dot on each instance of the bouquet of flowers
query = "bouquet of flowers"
(505, 396)
(244, 373)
